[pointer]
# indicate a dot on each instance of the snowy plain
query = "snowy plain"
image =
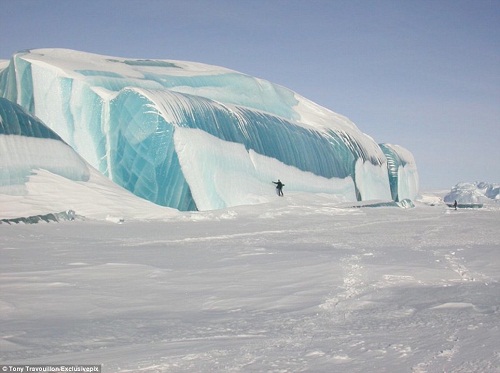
(303, 283)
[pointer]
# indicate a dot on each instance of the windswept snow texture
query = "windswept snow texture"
(300, 284)
(27, 144)
(123, 116)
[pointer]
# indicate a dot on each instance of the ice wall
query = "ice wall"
(149, 125)
(402, 171)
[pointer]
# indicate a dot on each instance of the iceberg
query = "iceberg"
(472, 194)
(198, 137)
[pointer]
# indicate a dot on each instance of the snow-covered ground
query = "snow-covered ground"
(300, 283)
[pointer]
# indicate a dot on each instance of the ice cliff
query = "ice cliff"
(193, 136)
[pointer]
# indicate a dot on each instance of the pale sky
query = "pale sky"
(423, 74)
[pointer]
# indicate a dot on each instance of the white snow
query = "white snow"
(298, 283)
(97, 198)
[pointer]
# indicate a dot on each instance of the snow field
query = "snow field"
(297, 284)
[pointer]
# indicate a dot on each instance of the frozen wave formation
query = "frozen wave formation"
(198, 137)
(26, 144)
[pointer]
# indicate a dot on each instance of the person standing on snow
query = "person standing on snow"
(279, 187)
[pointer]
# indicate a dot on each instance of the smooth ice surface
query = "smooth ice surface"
(403, 176)
(301, 283)
(246, 176)
(122, 115)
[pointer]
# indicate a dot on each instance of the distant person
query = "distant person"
(455, 204)
(279, 187)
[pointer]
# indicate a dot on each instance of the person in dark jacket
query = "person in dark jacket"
(279, 187)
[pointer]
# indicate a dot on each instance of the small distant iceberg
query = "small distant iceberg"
(472, 195)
